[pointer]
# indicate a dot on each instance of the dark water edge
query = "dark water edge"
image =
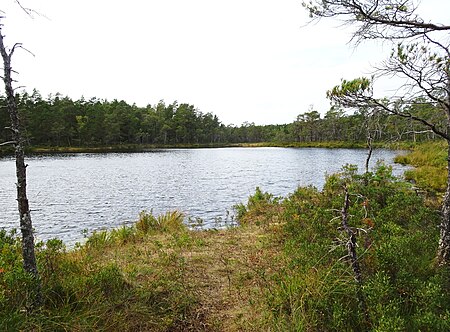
(129, 148)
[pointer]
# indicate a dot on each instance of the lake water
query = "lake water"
(76, 192)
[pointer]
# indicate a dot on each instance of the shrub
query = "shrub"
(257, 205)
(397, 241)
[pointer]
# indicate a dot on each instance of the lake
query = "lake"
(75, 192)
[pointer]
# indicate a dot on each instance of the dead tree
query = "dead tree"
(26, 227)
(353, 257)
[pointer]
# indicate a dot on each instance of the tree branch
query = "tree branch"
(381, 19)
(27, 10)
(412, 117)
(7, 143)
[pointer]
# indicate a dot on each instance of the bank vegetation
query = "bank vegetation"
(286, 266)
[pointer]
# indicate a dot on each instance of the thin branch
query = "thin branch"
(376, 19)
(7, 143)
(19, 87)
(446, 49)
(27, 50)
(27, 10)
(413, 117)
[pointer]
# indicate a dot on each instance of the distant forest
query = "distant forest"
(61, 121)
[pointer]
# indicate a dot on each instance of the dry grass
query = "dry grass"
(225, 273)
(231, 272)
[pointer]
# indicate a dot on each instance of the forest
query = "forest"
(60, 121)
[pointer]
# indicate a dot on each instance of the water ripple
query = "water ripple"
(71, 193)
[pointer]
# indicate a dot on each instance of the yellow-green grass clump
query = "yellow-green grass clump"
(430, 165)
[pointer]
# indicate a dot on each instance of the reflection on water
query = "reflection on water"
(72, 193)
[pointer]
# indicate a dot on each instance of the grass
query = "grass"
(206, 277)
(154, 276)
(430, 166)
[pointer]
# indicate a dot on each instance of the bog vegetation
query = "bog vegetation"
(285, 268)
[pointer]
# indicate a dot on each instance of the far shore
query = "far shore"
(149, 147)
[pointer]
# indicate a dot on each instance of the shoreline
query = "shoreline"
(129, 148)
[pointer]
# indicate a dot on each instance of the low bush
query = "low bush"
(397, 236)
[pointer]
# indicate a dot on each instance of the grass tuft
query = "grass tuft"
(430, 166)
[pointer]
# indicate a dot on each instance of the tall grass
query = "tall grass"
(430, 163)
(97, 287)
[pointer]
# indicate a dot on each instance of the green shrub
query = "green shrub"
(123, 234)
(397, 241)
(257, 204)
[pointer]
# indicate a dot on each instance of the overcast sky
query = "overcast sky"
(243, 60)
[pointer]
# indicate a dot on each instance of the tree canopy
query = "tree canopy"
(420, 56)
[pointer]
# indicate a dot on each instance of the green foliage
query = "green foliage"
(99, 239)
(397, 240)
(257, 205)
(100, 125)
(139, 278)
(358, 86)
(108, 280)
(84, 290)
(430, 162)
(428, 177)
(429, 154)
(60, 121)
(170, 222)
(123, 234)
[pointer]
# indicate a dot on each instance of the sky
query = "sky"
(242, 60)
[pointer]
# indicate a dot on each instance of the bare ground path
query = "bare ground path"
(230, 273)
(214, 280)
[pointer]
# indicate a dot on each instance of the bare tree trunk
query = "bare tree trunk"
(444, 239)
(351, 253)
(26, 227)
(443, 256)
(370, 150)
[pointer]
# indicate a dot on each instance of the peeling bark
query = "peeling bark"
(26, 227)
(444, 239)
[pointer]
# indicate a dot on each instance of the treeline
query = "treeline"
(336, 125)
(61, 121)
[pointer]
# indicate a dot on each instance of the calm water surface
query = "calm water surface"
(72, 193)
